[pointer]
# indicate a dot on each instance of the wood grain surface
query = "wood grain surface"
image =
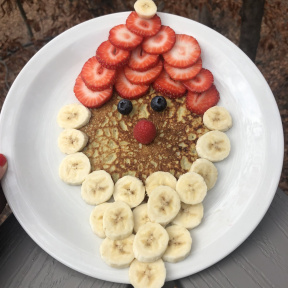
(261, 261)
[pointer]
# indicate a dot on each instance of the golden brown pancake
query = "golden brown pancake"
(112, 147)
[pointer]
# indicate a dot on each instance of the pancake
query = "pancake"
(113, 148)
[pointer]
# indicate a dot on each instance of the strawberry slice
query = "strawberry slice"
(184, 53)
(143, 27)
(95, 76)
(123, 38)
(161, 43)
(200, 103)
(203, 81)
(144, 77)
(110, 56)
(89, 98)
(169, 87)
(182, 74)
(142, 61)
(128, 90)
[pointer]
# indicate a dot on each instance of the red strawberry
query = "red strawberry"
(144, 77)
(128, 90)
(143, 27)
(89, 98)
(182, 74)
(162, 42)
(199, 103)
(169, 87)
(95, 76)
(123, 38)
(144, 131)
(110, 56)
(184, 53)
(203, 81)
(142, 61)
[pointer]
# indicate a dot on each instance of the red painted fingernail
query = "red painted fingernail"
(3, 160)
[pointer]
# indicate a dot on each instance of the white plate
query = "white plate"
(53, 213)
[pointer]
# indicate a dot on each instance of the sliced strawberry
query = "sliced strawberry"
(169, 87)
(110, 56)
(142, 61)
(89, 98)
(182, 74)
(95, 76)
(200, 103)
(143, 27)
(128, 90)
(203, 81)
(144, 77)
(185, 52)
(123, 38)
(161, 43)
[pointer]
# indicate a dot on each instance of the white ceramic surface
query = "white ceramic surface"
(53, 213)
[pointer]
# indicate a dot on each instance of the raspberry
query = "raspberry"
(144, 131)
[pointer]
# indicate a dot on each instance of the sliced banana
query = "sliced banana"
(73, 116)
(72, 140)
(150, 242)
(117, 253)
(97, 188)
(163, 205)
(74, 168)
(179, 245)
(96, 219)
(140, 214)
(217, 118)
(145, 9)
(130, 190)
(159, 178)
(213, 146)
(147, 275)
(118, 221)
(207, 170)
(191, 188)
(189, 216)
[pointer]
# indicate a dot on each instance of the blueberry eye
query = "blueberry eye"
(124, 106)
(158, 103)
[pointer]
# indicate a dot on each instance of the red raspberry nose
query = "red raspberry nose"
(144, 131)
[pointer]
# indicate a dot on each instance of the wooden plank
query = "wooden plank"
(261, 261)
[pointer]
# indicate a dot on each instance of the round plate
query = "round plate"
(54, 214)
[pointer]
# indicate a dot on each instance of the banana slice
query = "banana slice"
(213, 146)
(97, 187)
(118, 221)
(145, 9)
(71, 141)
(159, 178)
(189, 216)
(117, 253)
(179, 245)
(217, 118)
(73, 116)
(74, 168)
(163, 205)
(130, 190)
(140, 214)
(150, 242)
(191, 188)
(207, 170)
(147, 275)
(96, 219)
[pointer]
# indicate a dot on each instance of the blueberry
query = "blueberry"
(124, 106)
(158, 103)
